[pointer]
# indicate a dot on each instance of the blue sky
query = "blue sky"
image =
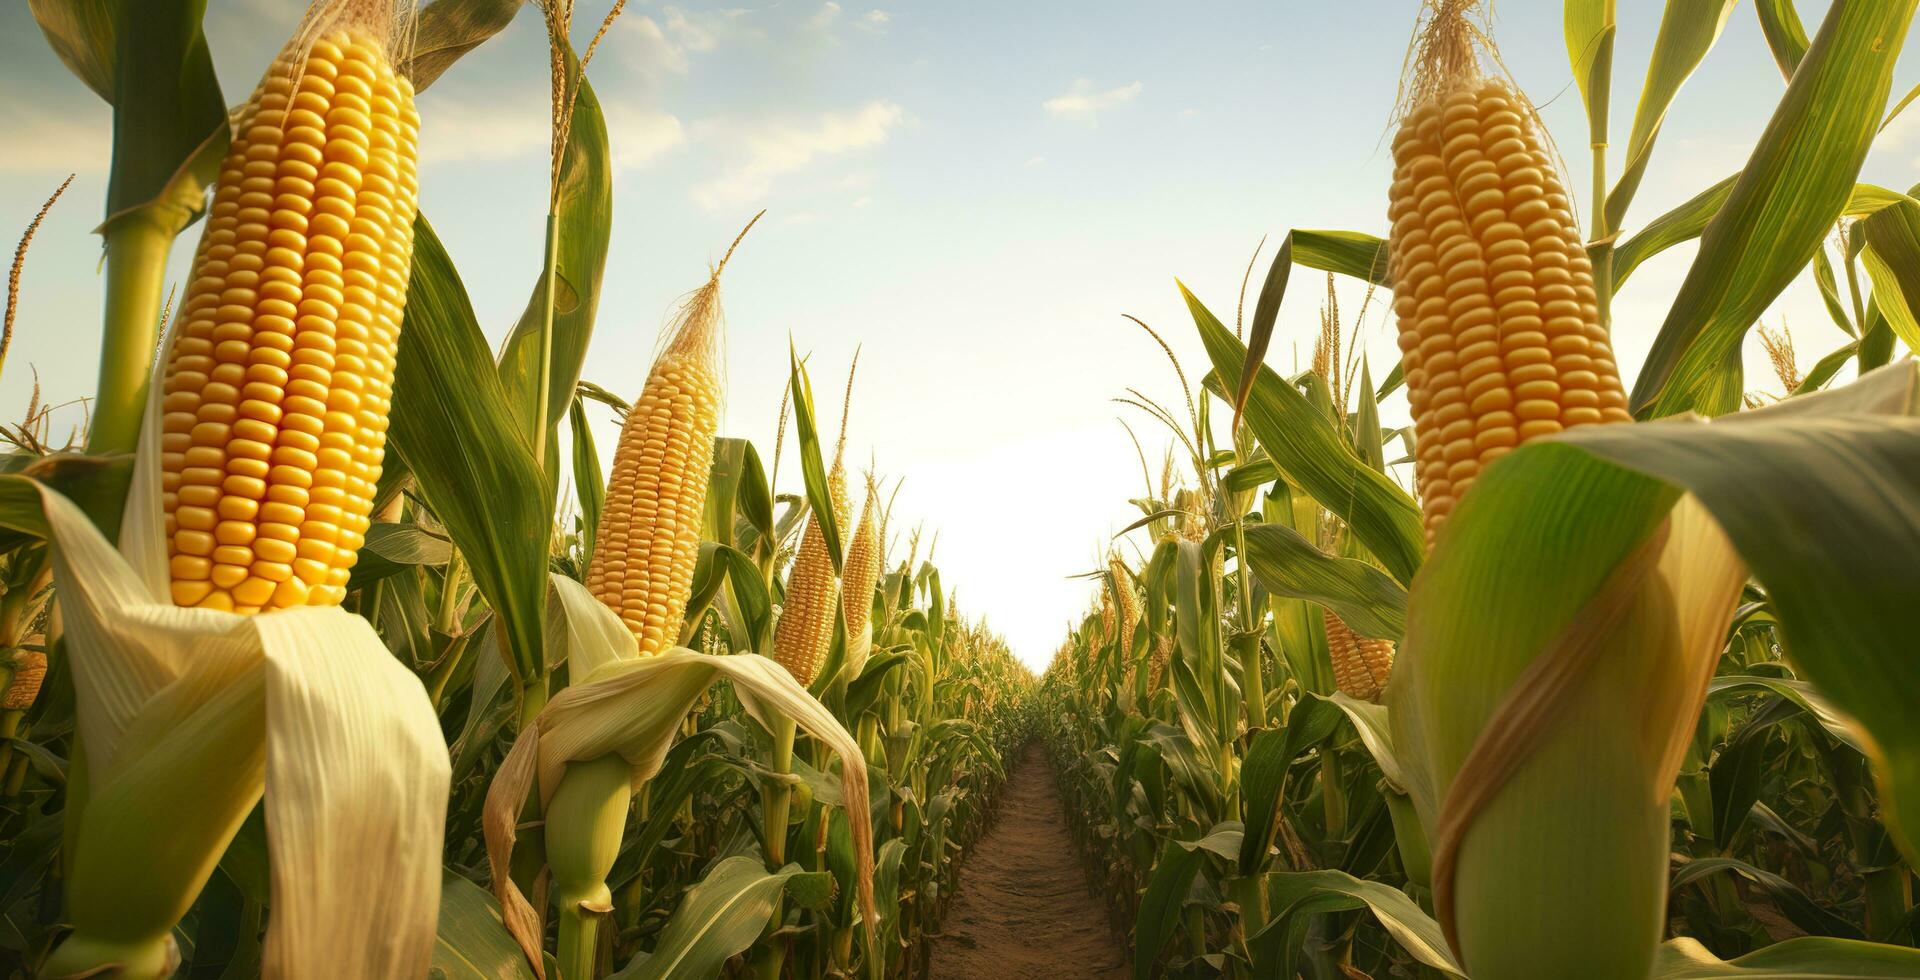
(972, 193)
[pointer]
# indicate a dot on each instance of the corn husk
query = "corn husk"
(189, 716)
(633, 706)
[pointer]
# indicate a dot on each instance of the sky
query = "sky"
(969, 194)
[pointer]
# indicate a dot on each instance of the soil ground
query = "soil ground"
(1022, 911)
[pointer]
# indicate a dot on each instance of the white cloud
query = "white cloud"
(1086, 100)
(655, 52)
(825, 16)
(1036, 161)
(495, 128)
(45, 140)
(698, 31)
(518, 127)
(862, 201)
(638, 136)
(876, 20)
(767, 150)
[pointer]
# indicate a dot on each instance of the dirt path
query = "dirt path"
(1022, 911)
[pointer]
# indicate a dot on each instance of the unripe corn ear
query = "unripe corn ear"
(805, 629)
(649, 537)
(1127, 607)
(1500, 329)
(278, 381)
(862, 570)
(1162, 657)
(25, 675)
(1361, 666)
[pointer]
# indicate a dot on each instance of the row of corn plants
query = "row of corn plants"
(1560, 679)
(326, 655)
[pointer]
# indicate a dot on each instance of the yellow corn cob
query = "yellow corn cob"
(805, 630)
(862, 571)
(1500, 331)
(1127, 609)
(1106, 617)
(278, 381)
(649, 538)
(1361, 666)
(1162, 657)
(28, 670)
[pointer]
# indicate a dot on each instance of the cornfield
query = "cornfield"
(331, 648)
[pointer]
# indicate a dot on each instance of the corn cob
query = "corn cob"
(1361, 666)
(1127, 608)
(1162, 657)
(862, 571)
(805, 630)
(278, 382)
(27, 671)
(1500, 330)
(649, 538)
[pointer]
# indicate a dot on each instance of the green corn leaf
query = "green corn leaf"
(1265, 311)
(1161, 904)
(1262, 773)
(392, 548)
(472, 942)
(1287, 564)
(1589, 29)
(1795, 904)
(1304, 444)
(585, 214)
(1780, 207)
(1296, 894)
(446, 29)
(1367, 440)
(1371, 721)
(1688, 30)
(1780, 24)
(452, 427)
(1824, 370)
(589, 483)
(1892, 258)
(150, 61)
(1349, 253)
(1800, 693)
(1687, 221)
(719, 917)
(1829, 286)
(84, 33)
(812, 466)
(1297, 624)
(1793, 959)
